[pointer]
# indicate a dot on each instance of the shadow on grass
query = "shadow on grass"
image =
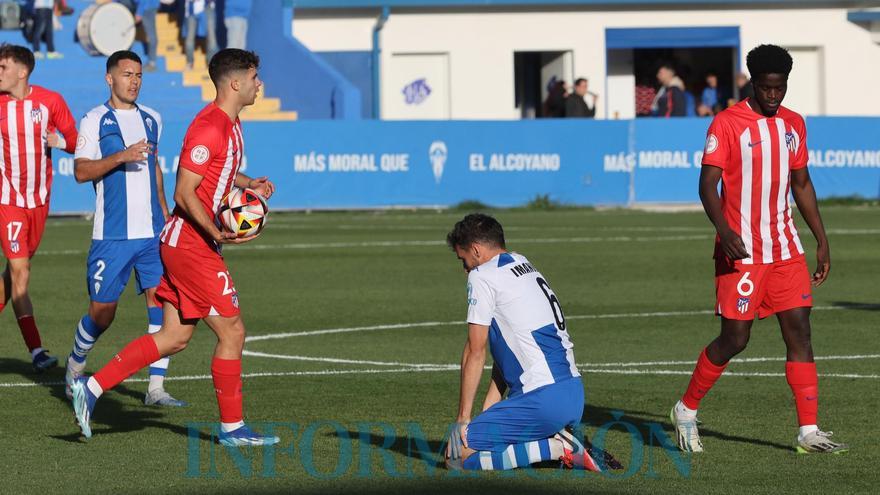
(594, 417)
(111, 415)
(856, 305)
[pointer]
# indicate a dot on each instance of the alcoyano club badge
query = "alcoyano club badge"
(199, 154)
(711, 143)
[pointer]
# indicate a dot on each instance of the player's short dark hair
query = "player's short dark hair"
(768, 59)
(18, 53)
(476, 227)
(231, 60)
(113, 60)
(579, 80)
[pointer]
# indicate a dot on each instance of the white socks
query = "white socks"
(227, 427)
(684, 411)
(806, 430)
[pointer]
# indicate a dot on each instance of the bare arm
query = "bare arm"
(85, 170)
(472, 360)
(186, 198)
(731, 243)
(496, 388)
(262, 185)
(805, 197)
(160, 190)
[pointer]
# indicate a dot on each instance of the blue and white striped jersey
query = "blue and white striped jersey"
(527, 334)
(127, 202)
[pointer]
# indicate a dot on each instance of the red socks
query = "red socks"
(138, 354)
(227, 385)
(804, 385)
(29, 332)
(705, 375)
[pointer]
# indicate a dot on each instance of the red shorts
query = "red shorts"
(742, 291)
(22, 230)
(197, 283)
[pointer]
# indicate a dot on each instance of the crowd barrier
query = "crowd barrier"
(372, 164)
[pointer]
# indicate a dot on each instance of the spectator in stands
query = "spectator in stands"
(237, 13)
(670, 99)
(196, 11)
(645, 94)
(554, 105)
(44, 29)
(581, 103)
(146, 15)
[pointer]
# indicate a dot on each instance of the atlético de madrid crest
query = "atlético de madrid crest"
(36, 116)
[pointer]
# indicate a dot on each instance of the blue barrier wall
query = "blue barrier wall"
(357, 68)
(358, 164)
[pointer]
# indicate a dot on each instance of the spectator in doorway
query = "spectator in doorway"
(581, 103)
(44, 29)
(744, 86)
(146, 15)
(710, 101)
(670, 99)
(554, 105)
(237, 13)
(196, 11)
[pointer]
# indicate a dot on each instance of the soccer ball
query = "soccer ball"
(243, 212)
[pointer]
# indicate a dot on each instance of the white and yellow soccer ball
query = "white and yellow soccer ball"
(243, 212)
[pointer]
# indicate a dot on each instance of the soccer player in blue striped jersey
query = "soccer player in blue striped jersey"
(512, 308)
(117, 152)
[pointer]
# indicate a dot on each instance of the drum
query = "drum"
(105, 28)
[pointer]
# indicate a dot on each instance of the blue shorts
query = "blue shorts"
(528, 417)
(110, 262)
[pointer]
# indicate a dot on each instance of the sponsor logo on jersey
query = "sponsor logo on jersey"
(199, 154)
(416, 92)
(471, 300)
(711, 144)
(437, 154)
(36, 115)
(108, 121)
(742, 305)
(80, 142)
(149, 124)
(791, 142)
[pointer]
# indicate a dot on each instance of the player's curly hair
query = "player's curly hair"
(476, 227)
(768, 59)
(19, 54)
(230, 60)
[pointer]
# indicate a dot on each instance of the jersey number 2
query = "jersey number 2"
(554, 303)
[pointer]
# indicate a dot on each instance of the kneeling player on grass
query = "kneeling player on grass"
(196, 284)
(512, 309)
(756, 149)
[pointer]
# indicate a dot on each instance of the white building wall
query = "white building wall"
(481, 47)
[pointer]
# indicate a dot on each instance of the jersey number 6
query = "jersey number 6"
(554, 303)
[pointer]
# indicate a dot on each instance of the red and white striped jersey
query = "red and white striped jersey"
(757, 155)
(25, 160)
(213, 148)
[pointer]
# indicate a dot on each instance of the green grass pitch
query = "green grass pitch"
(394, 296)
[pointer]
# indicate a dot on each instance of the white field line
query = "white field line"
(427, 370)
(437, 242)
(598, 367)
(397, 326)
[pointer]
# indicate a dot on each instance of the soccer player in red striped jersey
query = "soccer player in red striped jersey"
(196, 284)
(757, 149)
(29, 118)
